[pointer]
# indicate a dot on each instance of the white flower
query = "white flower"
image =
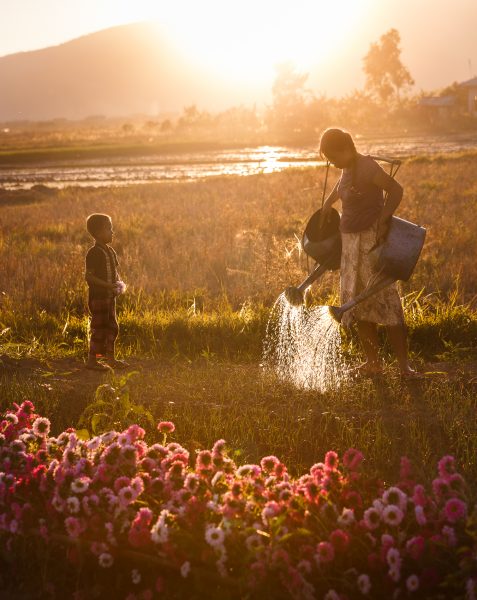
(124, 439)
(11, 418)
(378, 505)
(185, 569)
(412, 583)
(304, 566)
(395, 496)
(13, 526)
(214, 536)
(57, 503)
(137, 485)
(331, 595)
(126, 495)
(392, 515)
(94, 443)
(346, 518)
(79, 486)
(160, 530)
(364, 583)
(73, 504)
(253, 542)
(41, 426)
(372, 518)
(217, 477)
(393, 558)
(394, 573)
(105, 560)
(135, 576)
(108, 437)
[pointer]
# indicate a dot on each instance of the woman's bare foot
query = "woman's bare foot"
(408, 373)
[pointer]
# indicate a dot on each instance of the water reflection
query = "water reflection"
(120, 171)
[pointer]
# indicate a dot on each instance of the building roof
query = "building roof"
(469, 83)
(437, 101)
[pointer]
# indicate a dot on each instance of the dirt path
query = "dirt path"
(70, 373)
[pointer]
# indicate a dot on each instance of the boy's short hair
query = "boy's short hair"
(95, 221)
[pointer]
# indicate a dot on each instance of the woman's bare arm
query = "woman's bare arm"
(393, 199)
(332, 197)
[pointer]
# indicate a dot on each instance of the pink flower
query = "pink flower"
(326, 552)
(331, 460)
(419, 496)
(415, 547)
(268, 463)
(339, 539)
(420, 516)
(455, 510)
(406, 468)
(166, 427)
(440, 487)
(73, 527)
(352, 459)
(446, 466)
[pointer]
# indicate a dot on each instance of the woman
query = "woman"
(364, 222)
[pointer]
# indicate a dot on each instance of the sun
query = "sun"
(245, 40)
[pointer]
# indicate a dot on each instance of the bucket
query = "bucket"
(395, 259)
(323, 244)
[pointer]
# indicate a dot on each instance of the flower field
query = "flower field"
(115, 516)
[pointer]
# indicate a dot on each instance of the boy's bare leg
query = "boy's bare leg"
(116, 363)
(92, 363)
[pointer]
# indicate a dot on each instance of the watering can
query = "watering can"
(323, 244)
(395, 258)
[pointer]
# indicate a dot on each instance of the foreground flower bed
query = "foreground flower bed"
(115, 517)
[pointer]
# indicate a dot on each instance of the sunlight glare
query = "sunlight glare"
(246, 40)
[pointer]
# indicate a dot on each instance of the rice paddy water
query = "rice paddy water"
(303, 346)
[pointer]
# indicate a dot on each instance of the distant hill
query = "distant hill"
(123, 70)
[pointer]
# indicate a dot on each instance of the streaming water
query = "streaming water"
(303, 346)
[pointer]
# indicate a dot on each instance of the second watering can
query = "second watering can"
(395, 259)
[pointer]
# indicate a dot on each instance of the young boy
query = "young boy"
(104, 285)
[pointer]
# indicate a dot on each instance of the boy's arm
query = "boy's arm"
(92, 279)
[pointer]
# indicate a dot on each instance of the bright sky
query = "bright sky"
(246, 38)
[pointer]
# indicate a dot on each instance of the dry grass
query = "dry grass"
(226, 236)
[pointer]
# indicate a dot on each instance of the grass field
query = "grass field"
(204, 262)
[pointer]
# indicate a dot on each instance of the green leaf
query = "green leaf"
(82, 434)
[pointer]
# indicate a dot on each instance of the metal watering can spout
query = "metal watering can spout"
(337, 312)
(296, 295)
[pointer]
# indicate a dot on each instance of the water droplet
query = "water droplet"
(303, 346)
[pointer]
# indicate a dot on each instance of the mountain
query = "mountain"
(123, 70)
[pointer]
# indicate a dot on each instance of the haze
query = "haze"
(242, 41)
